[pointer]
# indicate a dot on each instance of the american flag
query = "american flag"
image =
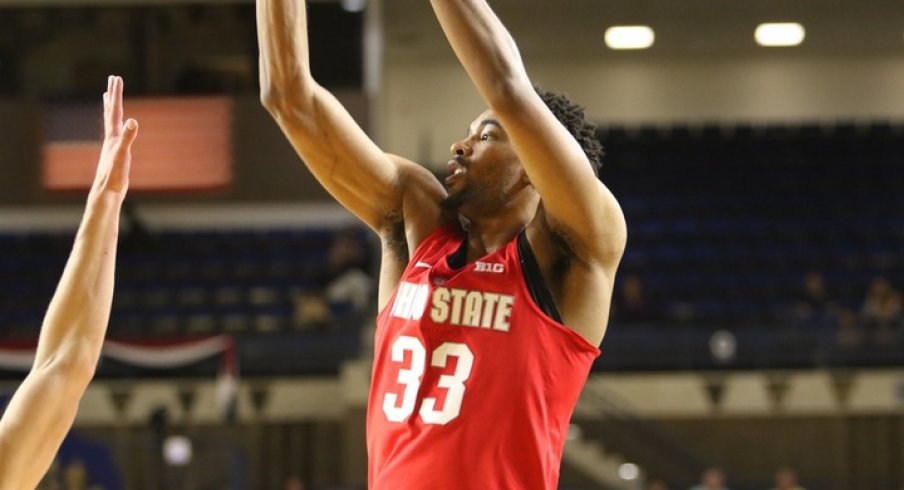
(184, 144)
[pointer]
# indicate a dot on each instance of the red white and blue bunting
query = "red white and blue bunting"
(147, 354)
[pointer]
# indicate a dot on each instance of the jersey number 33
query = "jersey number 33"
(409, 377)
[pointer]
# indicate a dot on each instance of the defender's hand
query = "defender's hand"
(116, 154)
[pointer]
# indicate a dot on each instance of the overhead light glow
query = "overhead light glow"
(353, 5)
(628, 471)
(779, 34)
(629, 37)
(177, 450)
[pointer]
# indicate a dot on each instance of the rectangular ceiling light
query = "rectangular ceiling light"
(629, 37)
(779, 34)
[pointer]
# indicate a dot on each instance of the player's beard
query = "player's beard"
(453, 202)
(474, 197)
(471, 195)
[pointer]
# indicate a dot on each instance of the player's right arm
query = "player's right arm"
(368, 182)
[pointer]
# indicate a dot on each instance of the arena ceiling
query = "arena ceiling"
(683, 27)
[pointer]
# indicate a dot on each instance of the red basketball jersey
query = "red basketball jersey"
(473, 385)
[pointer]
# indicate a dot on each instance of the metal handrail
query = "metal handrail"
(650, 443)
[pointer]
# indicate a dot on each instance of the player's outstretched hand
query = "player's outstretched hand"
(116, 155)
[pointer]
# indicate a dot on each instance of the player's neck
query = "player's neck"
(490, 232)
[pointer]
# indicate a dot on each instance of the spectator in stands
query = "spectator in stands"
(816, 306)
(293, 483)
(348, 283)
(343, 290)
(892, 318)
(882, 312)
(712, 479)
(657, 484)
(876, 295)
(786, 479)
(631, 302)
(311, 310)
(75, 477)
(849, 332)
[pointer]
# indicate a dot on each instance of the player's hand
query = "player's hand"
(116, 154)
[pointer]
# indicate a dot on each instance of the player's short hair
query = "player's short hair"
(572, 117)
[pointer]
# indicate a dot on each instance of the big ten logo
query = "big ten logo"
(489, 267)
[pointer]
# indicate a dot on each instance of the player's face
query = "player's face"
(484, 170)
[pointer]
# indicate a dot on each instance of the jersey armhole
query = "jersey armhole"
(533, 278)
(432, 241)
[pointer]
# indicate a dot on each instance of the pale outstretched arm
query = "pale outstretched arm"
(44, 407)
(575, 201)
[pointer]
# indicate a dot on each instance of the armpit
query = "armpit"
(394, 239)
(563, 255)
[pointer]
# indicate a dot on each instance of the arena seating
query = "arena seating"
(724, 223)
(178, 284)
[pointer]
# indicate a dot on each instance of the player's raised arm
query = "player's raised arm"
(574, 200)
(43, 409)
(347, 163)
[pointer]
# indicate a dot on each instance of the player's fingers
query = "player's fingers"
(117, 102)
(118, 178)
(108, 101)
(129, 133)
(111, 125)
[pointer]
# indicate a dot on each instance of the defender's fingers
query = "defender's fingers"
(121, 163)
(109, 127)
(117, 102)
(129, 132)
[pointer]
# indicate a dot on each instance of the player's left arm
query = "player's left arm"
(41, 412)
(576, 203)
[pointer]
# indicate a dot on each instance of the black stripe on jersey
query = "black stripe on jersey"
(534, 279)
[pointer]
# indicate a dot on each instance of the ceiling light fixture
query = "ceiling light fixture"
(779, 34)
(629, 37)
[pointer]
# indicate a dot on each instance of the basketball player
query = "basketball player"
(42, 410)
(494, 289)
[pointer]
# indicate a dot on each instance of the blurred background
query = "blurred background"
(758, 319)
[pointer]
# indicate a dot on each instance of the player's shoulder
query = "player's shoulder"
(419, 213)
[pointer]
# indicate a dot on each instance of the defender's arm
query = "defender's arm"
(43, 409)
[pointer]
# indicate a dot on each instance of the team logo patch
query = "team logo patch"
(494, 267)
